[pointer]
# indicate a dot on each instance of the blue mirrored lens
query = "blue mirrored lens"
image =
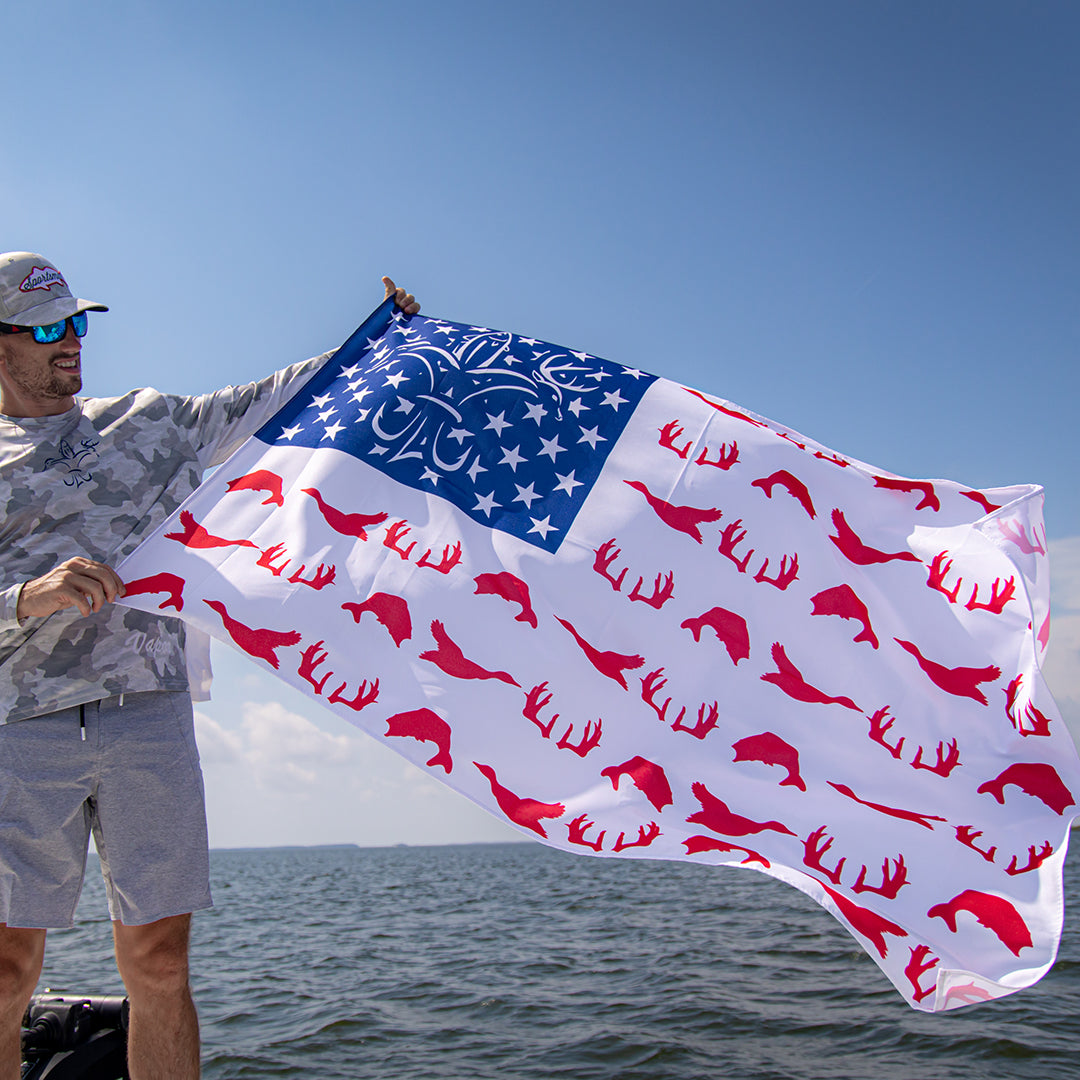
(45, 335)
(78, 324)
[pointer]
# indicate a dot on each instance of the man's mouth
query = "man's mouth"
(71, 364)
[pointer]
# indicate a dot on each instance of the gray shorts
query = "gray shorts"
(134, 780)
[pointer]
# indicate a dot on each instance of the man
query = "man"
(95, 700)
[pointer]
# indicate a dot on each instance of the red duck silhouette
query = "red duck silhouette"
(448, 657)
(961, 681)
(195, 536)
(524, 812)
(611, 664)
(790, 680)
(859, 553)
(715, 815)
(684, 519)
(346, 524)
(260, 643)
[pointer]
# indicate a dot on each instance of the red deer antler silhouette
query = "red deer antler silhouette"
(389, 610)
(947, 759)
(424, 725)
(939, 569)
(646, 835)
(1018, 535)
(195, 536)
(854, 550)
(770, 749)
(611, 664)
(266, 559)
(661, 593)
(996, 604)
(788, 678)
(715, 815)
(511, 588)
(684, 519)
(729, 541)
(993, 912)
(813, 851)
(669, 433)
(730, 628)
(891, 881)
(448, 657)
(912, 487)
(156, 583)
(324, 576)
(606, 554)
(968, 834)
(794, 486)
(1040, 723)
(310, 659)
(590, 739)
(260, 480)
(535, 700)
(260, 643)
(527, 813)
(651, 685)
(706, 721)
(364, 696)
(579, 827)
(788, 572)
(843, 601)
(920, 963)
(1035, 860)
(726, 456)
(347, 524)
(451, 556)
(878, 728)
(959, 681)
(397, 532)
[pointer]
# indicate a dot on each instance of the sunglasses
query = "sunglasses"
(46, 335)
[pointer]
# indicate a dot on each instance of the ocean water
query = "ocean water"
(516, 961)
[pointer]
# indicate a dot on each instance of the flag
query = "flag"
(638, 621)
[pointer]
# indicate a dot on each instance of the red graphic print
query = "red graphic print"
(611, 664)
(1034, 778)
(391, 611)
(960, 681)
(684, 519)
(866, 922)
(789, 679)
(921, 487)
(842, 601)
(260, 480)
(195, 536)
(695, 844)
(510, 588)
(853, 549)
(425, 726)
(730, 628)
(346, 524)
(164, 582)
(795, 487)
(525, 812)
(993, 912)
(259, 643)
(448, 657)
(715, 815)
(647, 777)
(770, 749)
(893, 811)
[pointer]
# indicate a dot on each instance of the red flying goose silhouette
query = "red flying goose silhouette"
(525, 812)
(859, 553)
(868, 923)
(260, 480)
(195, 536)
(790, 680)
(448, 657)
(260, 643)
(961, 681)
(611, 664)
(684, 519)
(714, 814)
(346, 524)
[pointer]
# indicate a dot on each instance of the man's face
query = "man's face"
(39, 380)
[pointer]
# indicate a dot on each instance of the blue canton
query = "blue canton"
(511, 430)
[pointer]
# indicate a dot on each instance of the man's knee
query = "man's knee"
(154, 958)
(21, 955)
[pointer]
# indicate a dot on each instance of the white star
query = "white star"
(526, 495)
(528, 341)
(349, 372)
(567, 483)
(497, 424)
(597, 375)
(332, 431)
(542, 526)
(576, 407)
(486, 503)
(325, 415)
(372, 342)
(551, 447)
(405, 406)
(535, 411)
(582, 356)
(363, 414)
(614, 399)
(460, 434)
(291, 432)
(359, 396)
(474, 469)
(512, 458)
(427, 474)
(592, 436)
(634, 373)
(394, 380)
(321, 400)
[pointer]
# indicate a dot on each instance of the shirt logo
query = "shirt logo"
(73, 462)
(41, 277)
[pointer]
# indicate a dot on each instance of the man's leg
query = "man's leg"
(21, 953)
(163, 1030)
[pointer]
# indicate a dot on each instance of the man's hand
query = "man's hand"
(405, 301)
(79, 582)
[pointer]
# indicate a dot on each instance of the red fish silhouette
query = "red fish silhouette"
(869, 923)
(611, 664)
(695, 844)
(893, 811)
(425, 726)
(993, 912)
(715, 815)
(684, 519)
(1034, 778)
(392, 611)
(448, 657)
(261, 643)
(155, 583)
(260, 480)
(961, 681)
(770, 749)
(922, 487)
(789, 679)
(648, 777)
(195, 536)
(730, 628)
(853, 549)
(796, 488)
(511, 588)
(525, 812)
(842, 601)
(346, 524)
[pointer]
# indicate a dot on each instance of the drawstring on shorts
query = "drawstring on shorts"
(82, 722)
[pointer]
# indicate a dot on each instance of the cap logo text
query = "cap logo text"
(41, 277)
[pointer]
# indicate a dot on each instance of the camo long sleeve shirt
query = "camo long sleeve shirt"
(94, 481)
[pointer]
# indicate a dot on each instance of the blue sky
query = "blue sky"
(857, 218)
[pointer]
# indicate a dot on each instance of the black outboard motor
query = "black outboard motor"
(73, 1037)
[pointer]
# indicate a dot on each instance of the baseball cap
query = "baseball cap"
(34, 293)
